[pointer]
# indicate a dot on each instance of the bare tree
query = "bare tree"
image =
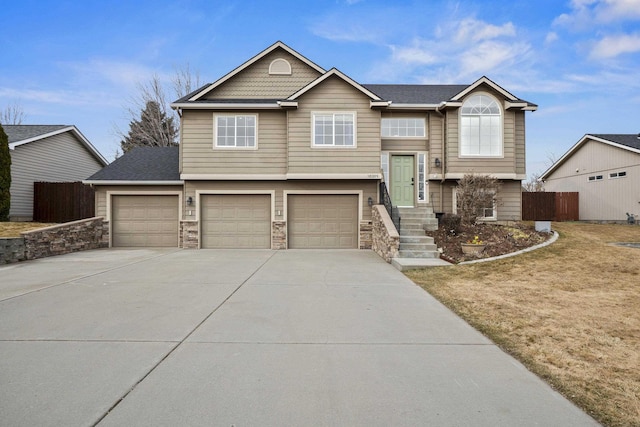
(12, 114)
(533, 184)
(152, 123)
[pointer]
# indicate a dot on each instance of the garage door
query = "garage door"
(322, 221)
(144, 221)
(232, 221)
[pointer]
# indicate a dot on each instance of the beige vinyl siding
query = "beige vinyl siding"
(484, 165)
(59, 158)
(406, 144)
(436, 139)
(509, 198)
(369, 188)
(608, 199)
(520, 132)
(256, 83)
(101, 193)
(200, 157)
(334, 95)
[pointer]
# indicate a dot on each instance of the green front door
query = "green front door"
(402, 180)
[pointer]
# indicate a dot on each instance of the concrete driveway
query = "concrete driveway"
(248, 338)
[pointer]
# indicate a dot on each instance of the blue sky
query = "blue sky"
(79, 62)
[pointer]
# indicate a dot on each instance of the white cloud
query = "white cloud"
(475, 31)
(586, 13)
(551, 37)
(491, 55)
(418, 53)
(613, 46)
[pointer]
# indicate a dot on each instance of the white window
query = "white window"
(235, 131)
(593, 178)
(403, 128)
(334, 130)
(422, 178)
(488, 212)
(481, 127)
(617, 174)
(384, 165)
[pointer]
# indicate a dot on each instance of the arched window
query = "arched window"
(481, 127)
(280, 66)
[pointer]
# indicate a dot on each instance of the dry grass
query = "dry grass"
(13, 229)
(570, 312)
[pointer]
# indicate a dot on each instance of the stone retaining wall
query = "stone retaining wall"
(11, 250)
(91, 233)
(385, 237)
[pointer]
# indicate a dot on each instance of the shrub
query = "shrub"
(451, 223)
(473, 194)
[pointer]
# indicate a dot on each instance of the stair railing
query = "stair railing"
(393, 211)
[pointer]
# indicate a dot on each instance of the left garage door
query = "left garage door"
(144, 221)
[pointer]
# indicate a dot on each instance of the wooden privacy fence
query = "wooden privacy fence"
(549, 206)
(62, 201)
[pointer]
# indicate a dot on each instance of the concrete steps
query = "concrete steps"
(417, 250)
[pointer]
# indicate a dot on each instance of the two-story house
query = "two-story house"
(281, 153)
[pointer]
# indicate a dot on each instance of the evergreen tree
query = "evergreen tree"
(5, 176)
(154, 129)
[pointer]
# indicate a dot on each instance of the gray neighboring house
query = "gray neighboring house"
(50, 153)
(605, 170)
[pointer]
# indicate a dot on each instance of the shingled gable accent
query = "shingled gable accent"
(253, 60)
(334, 72)
(605, 139)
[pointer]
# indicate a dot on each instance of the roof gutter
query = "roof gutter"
(125, 182)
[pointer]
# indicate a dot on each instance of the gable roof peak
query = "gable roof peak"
(277, 45)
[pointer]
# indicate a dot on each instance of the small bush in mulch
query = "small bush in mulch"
(499, 239)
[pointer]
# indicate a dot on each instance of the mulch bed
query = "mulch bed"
(499, 240)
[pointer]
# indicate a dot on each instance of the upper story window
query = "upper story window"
(334, 129)
(481, 127)
(403, 128)
(235, 131)
(621, 174)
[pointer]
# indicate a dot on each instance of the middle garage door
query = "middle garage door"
(323, 221)
(236, 221)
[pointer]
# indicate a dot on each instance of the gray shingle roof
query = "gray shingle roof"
(18, 133)
(630, 140)
(142, 164)
(416, 94)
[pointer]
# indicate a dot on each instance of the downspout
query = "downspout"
(444, 154)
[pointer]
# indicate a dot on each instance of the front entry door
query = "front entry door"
(402, 180)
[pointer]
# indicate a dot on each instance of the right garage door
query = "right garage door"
(322, 221)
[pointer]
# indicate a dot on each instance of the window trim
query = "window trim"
(616, 175)
(595, 178)
(480, 218)
(501, 127)
(233, 147)
(421, 119)
(334, 146)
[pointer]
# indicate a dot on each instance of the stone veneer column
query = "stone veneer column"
(279, 235)
(189, 234)
(366, 234)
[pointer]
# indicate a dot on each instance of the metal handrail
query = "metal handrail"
(393, 211)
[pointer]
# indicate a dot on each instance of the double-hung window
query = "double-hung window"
(235, 131)
(334, 129)
(480, 127)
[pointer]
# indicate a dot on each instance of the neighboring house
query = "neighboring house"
(50, 153)
(281, 153)
(605, 171)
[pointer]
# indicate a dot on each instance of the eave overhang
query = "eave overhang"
(130, 182)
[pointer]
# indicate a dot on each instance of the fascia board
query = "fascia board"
(487, 81)
(125, 182)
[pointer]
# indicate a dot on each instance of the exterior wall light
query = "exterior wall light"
(438, 162)
(189, 201)
(370, 201)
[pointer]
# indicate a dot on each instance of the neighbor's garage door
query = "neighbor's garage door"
(144, 221)
(322, 221)
(234, 221)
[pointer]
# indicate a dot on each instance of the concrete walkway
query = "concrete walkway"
(249, 338)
